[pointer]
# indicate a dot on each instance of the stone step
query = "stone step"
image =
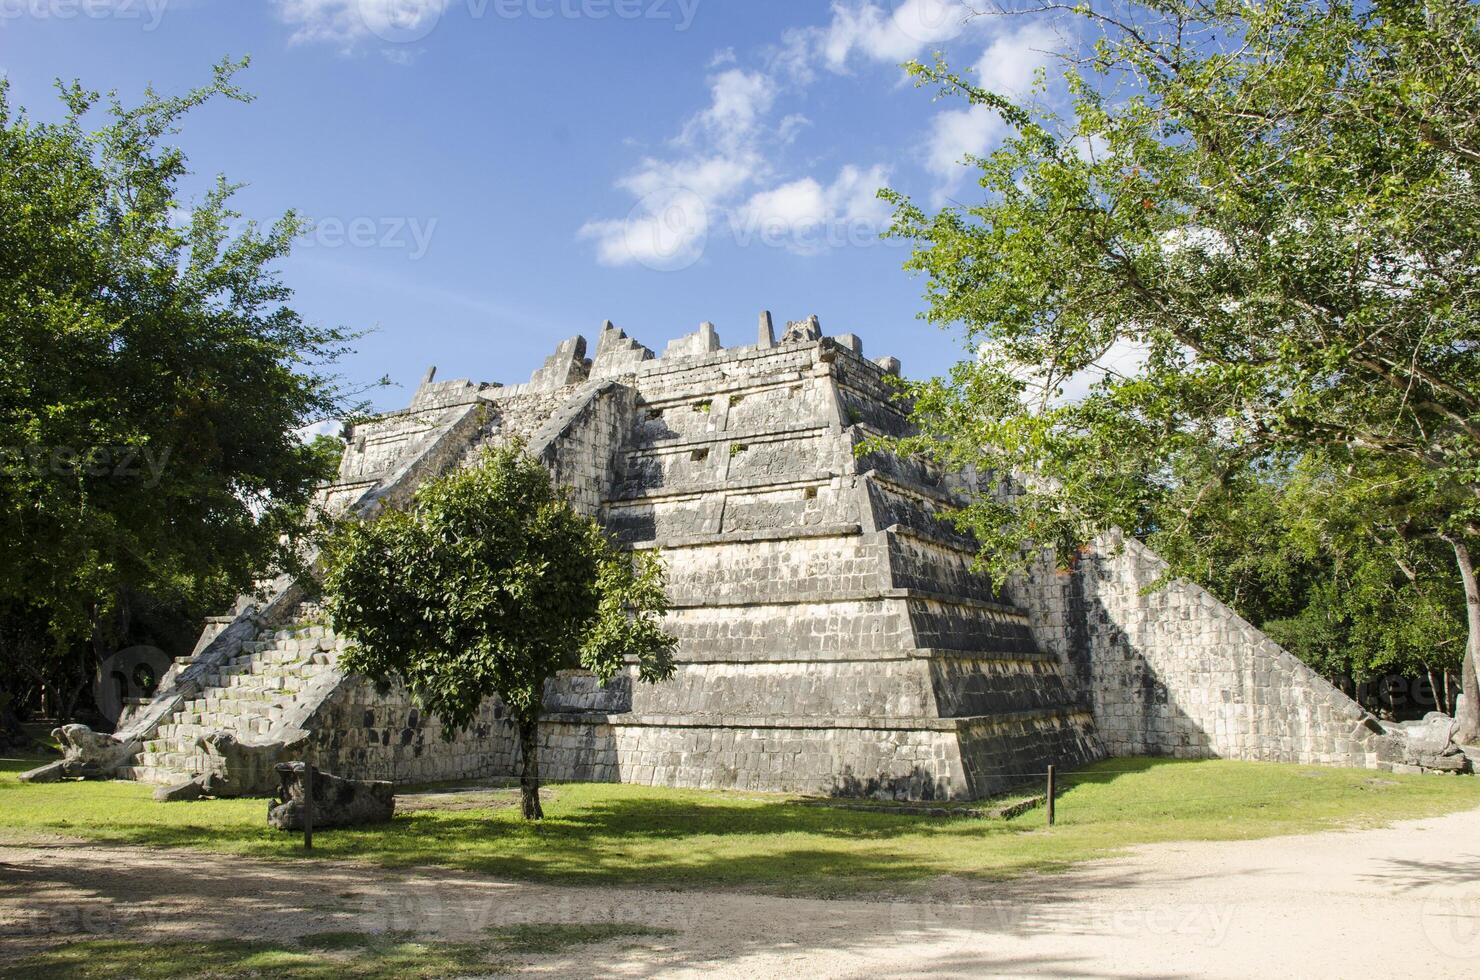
(180, 761)
(245, 696)
(158, 775)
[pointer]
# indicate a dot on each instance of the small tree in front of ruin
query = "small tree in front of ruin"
(487, 585)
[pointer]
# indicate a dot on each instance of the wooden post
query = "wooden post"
(1049, 797)
(308, 806)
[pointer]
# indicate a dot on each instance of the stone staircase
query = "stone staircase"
(248, 696)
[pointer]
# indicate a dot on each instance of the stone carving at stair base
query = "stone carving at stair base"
(337, 802)
(86, 754)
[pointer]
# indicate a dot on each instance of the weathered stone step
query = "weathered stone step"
(158, 775)
(245, 696)
(1056, 716)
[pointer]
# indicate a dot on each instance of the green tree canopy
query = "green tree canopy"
(152, 374)
(486, 586)
(1312, 555)
(1274, 205)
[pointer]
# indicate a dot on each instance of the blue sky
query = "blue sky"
(491, 176)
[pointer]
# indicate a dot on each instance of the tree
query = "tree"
(1276, 207)
(486, 586)
(151, 379)
(1310, 553)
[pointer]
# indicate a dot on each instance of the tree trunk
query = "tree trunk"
(1469, 714)
(529, 777)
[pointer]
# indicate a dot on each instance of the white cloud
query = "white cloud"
(807, 217)
(881, 34)
(954, 133)
(347, 22)
(1124, 359)
(798, 202)
(1008, 67)
(721, 171)
(789, 127)
(737, 101)
(856, 193)
(1010, 62)
(712, 178)
(665, 234)
(722, 155)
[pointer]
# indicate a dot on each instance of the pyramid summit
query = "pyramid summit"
(834, 637)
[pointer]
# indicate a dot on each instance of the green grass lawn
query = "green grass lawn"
(618, 834)
(321, 956)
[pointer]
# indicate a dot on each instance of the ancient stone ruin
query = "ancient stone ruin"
(833, 636)
(337, 802)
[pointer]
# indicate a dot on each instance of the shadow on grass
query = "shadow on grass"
(609, 834)
(615, 834)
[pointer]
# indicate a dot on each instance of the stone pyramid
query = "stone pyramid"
(834, 638)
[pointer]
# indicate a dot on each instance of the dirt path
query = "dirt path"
(1403, 901)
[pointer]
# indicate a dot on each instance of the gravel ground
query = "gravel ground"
(1400, 901)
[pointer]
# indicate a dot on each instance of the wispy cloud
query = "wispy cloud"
(718, 154)
(807, 217)
(891, 35)
(348, 22)
(722, 172)
(1008, 67)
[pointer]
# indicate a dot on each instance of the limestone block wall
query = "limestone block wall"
(1173, 671)
(579, 446)
(834, 502)
(652, 516)
(771, 631)
(792, 567)
(840, 760)
(820, 690)
(970, 687)
(1006, 751)
(866, 400)
(963, 624)
(779, 407)
(717, 374)
(918, 562)
(895, 503)
(374, 736)
(375, 445)
(898, 685)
